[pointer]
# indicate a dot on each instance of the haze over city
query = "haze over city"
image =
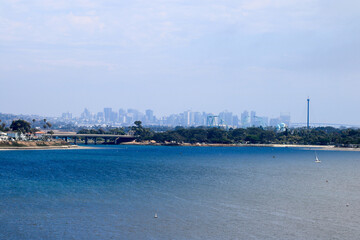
(174, 56)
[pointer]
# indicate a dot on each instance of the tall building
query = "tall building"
(86, 115)
(149, 116)
(245, 119)
(235, 121)
(134, 115)
(100, 117)
(226, 118)
(263, 121)
(285, 118)
(107, 114)
(198, 119)
(114, 117)
(275, 121)
(253, 118)
(186, 118)
(122, 116)
(67, 116)
(122, 111)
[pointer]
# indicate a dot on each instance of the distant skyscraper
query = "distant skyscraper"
(122, 111)
(186, 118)
(275, 121)
(253, 118)
(198, 119)
(131, 110)
(122, 115)
(285, 118)
(133, 115)
(149, 115)
(263, 121)
(235, 121)
(245, 120)
(100, 117)
(226, 118)
(107, 113)
(86, 115)
(114, 117)
(67, 116)
(192, 119)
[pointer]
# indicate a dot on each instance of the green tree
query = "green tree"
(117, 131)
(2, 126)
(141, 132)
(20, 126)
(217, 135)
(237, 135)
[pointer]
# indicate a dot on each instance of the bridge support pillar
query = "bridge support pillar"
(75, 140)
(95, 140)
(86, 140)
(66, 139)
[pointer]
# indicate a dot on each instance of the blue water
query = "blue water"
(197, 193)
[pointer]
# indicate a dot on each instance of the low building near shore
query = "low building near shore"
(16, 136)
(3, 136)
(39, 134)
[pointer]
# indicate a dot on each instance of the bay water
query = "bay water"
(114, 192)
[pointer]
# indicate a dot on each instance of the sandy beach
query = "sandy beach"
(309, 147)
(38, 145)
(66, 147)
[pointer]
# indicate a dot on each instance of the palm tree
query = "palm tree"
(34, 120)
(45, 125)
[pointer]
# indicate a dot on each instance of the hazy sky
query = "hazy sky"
(171, 56)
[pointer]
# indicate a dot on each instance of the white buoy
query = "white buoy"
(155, 215)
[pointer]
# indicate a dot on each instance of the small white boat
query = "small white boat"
(317, 160)
(155, 215)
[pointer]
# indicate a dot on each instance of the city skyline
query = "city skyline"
(266, 120)
(126, 117)
(252, 118)
(187, 118)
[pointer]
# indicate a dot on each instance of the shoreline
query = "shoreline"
(64, 147)
(310, 147)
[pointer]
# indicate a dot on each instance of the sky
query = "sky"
(172, 56)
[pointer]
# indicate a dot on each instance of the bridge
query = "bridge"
(116, 138)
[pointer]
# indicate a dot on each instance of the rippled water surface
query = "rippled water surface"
(197, 193)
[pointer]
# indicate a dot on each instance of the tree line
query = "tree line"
(23, 126)
(253, 135)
